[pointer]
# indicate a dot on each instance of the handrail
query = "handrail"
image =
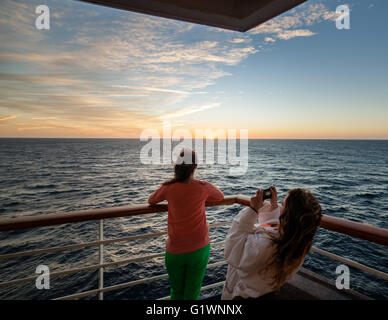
(94, 243)
(92, 214)
(351, 228)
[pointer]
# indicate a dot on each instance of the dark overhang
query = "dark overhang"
(238, 15)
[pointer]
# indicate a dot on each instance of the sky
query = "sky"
(100, 72)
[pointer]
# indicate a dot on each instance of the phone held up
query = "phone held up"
(267, 194)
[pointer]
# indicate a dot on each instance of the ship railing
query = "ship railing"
(340, 225)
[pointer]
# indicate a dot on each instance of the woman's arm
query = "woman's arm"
(237, 238)
(158, 195)
(243, 247)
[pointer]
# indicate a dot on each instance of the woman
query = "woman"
(261, 260)
(188, 245)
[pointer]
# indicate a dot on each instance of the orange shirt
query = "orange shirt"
(187, 227)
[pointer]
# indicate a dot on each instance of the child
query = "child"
(188, 245)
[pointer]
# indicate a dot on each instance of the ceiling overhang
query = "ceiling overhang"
(238, 15)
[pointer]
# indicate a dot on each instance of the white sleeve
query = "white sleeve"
(266, 215)
(241, 246)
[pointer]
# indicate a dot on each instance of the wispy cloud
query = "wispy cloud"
(151, 89)
(34, 128)
(288, 26)
(240, 40)
(269, 39)
(289, 34)
(188, 110)
(12, 116)
(43, 118)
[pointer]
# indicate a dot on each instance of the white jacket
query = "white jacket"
(247, 250)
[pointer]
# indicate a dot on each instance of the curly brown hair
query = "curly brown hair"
(298, 224)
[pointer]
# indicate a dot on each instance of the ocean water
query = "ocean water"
(40, 176)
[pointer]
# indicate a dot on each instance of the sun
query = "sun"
(210, 137)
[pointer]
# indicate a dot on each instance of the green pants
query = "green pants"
(186, 272)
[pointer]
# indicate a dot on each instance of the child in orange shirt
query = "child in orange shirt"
(188, 245)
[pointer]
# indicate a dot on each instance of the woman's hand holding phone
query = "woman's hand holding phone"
(274, 198)
(257, 201)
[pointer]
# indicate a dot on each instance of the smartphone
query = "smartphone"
(267, 194)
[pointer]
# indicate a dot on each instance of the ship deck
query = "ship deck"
(308, 285)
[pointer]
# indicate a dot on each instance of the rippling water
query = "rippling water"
(39, 176)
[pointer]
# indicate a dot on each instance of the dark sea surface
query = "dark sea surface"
(41, 176)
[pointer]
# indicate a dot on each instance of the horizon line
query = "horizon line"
(204, 138)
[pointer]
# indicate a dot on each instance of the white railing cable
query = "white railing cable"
(92, 267)
(210, 286)
(80, 245)
(352, 263)
(81, 269)
(127, 284)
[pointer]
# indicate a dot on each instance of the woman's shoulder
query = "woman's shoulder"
(260, 243)
(204, 183)
(265, 234)
(166, 187)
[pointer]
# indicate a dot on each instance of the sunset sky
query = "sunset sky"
(106, 73)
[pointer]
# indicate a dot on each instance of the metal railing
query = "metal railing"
(354, 229)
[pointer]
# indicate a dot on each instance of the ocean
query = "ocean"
(41, 176)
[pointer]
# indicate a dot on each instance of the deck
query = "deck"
(307, 285)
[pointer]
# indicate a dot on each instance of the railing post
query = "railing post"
(101, 259)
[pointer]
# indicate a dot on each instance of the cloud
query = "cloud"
(240, 40)
(289, 25)
(34, 128)
(18, 17)
(188, 110)
(289, 34)
(151, 89)
(43, 118)
(12, 116)
(269, 39)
